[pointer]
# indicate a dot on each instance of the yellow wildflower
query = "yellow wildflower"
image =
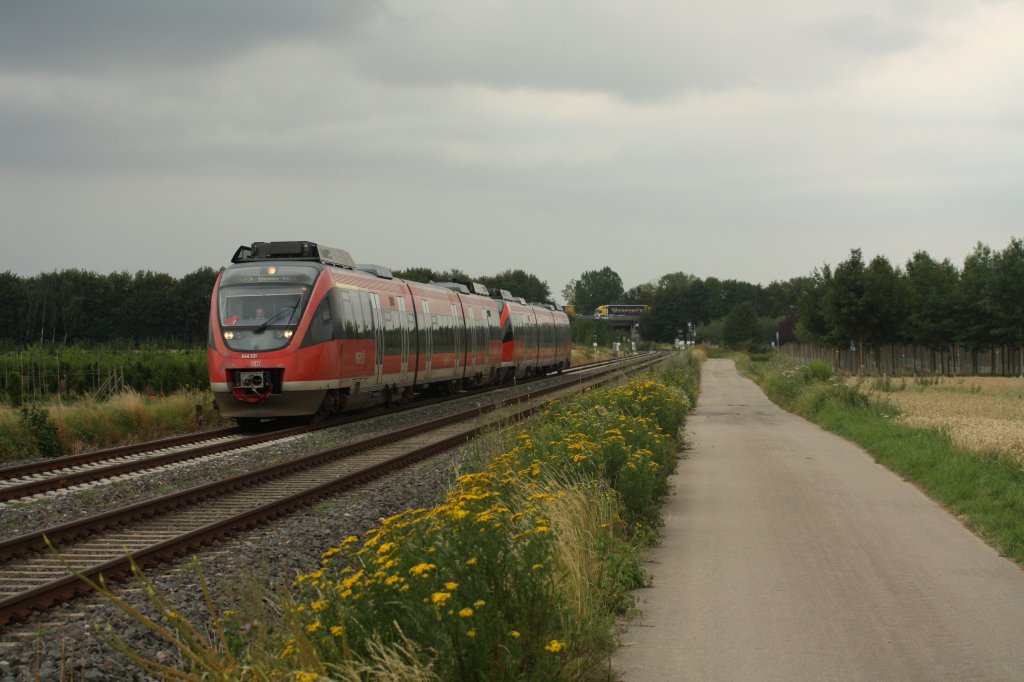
(301, 676)
(471, 561)
(479, 604)
(421, 569)
(451, 586)
(514, 634)
(466, 613)
(554, 646)
(313, 627)
(471, 633)
(337, 630)
(440, 598)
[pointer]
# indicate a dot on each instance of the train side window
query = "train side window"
(367, 306)
(348, 315)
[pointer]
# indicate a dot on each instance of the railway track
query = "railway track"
(33, 577)
(34, 478)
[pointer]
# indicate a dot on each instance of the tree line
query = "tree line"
(925, 302)
(79, 307)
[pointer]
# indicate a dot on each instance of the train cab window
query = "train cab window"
(321, 326)
(259, 310)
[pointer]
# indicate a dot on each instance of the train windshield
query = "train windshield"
(260, 306)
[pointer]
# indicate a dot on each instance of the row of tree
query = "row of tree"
(930, 303)
(925, 302)
(76, 306)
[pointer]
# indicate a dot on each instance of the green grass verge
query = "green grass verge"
(986, 491)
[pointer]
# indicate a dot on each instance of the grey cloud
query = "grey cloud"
(76, 36)
(651, 51)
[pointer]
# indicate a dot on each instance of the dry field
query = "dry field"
(978, 413)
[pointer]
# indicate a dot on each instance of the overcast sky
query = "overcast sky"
(745, 139)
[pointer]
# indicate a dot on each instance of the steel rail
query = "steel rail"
(73, 478)
(19, 605)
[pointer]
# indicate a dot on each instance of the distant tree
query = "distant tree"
(596, 287)
(975, 304)
(641, 294)
(811, 325)
(884, 303)
(417, 274)
(786, 329)
(845, 310)
(569, 293)
(671, 311)
(14, 303)
(154, 307)
(742, 328)
(519, 283)
(194, 290)
(931, 301)
(1008, 296)
(782, 298)
(453, 275)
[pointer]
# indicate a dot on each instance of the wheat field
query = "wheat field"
(979, 413)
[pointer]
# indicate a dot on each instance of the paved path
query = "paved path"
(789, 554)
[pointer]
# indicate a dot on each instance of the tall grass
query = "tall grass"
(517, 575)
(40, 373)
(985, 491)
(42, 430)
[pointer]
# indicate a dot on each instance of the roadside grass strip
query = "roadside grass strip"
(518, 575)
(985, 490)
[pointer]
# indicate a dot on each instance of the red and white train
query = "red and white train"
(298, 329)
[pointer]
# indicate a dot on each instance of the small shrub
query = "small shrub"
(818, 370)
(42, 431)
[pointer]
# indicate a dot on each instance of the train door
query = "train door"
(428, 338)
(471, 359)
(405, 338)
(457, 333)
(378, 330)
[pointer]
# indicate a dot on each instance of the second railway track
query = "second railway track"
(153, 530)
(42, 476)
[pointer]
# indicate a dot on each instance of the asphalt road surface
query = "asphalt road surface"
(789, 554)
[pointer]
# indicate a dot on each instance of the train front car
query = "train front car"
(258, 315)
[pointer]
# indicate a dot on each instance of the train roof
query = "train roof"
(303, 251)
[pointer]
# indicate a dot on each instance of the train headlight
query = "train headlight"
(228, 336)
(288, 333)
